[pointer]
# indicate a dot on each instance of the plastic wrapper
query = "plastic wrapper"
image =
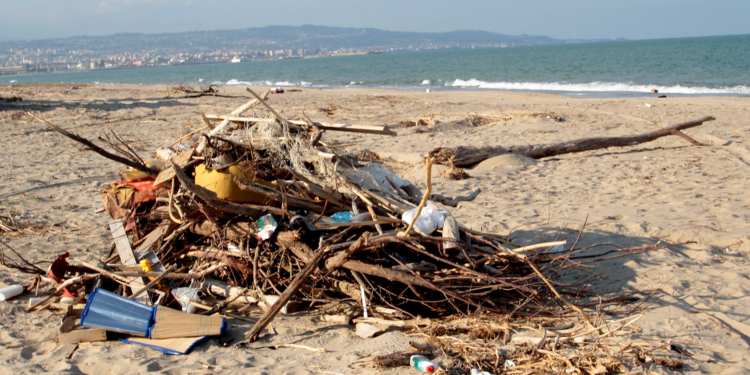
(429, 219)
(266, 226)
(342, 217)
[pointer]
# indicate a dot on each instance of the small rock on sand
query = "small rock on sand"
(366, 330)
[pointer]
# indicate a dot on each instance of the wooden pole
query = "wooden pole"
(153, 282)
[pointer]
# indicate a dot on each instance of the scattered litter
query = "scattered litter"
(265, 214)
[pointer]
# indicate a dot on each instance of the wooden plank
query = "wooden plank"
(352, 128)
(168, 173)
(151, 239)
(127, 257)
(368, 129)
(122, 243)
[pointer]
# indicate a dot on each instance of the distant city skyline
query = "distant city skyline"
(581, 19)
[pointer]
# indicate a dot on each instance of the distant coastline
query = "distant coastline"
(253, 44)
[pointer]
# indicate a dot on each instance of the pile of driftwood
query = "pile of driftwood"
(246, 214)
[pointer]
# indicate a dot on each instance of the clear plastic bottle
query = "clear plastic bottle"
(422, 363)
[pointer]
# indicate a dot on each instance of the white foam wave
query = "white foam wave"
(426, 82)
(236, 82)
(598, 87)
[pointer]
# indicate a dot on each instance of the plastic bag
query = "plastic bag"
(187, 294)
(428, 221)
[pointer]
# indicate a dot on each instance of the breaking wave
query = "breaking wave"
(599, 87)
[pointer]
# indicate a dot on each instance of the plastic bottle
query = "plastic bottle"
(422, 363)
(10, 292)
(341, 217)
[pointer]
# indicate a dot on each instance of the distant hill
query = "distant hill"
(280, 37)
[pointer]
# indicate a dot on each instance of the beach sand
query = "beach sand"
(666, 190)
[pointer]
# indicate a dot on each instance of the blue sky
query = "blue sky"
(587, 19)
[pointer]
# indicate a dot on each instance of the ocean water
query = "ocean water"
(686, 66)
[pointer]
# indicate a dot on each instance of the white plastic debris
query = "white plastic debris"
(429, 219)
(10, 291)
(187, 294)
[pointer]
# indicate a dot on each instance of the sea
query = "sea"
(677, 67)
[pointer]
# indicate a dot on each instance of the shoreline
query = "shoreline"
(420, 88)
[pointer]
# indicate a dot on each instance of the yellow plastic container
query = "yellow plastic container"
(222, 183)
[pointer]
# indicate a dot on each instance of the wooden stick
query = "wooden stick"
(223, 125)
(538, 246)
(277, 196)
(212, 200)
(60, 288)
(374, 217)
(334, 198)
(352, 128)
(572, 306)
(286, 296)
(188, 135)
(120, 279)
(198, 275)
(282, 120)
(153, 282)
(425, 197)
(407, 279)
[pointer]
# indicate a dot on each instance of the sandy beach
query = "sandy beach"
(666, 191)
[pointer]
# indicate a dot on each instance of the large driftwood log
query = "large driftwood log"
(463, 156)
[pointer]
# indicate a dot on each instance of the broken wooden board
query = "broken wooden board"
(168, 173)
(151, 239)
(127, 257)
(72, 333)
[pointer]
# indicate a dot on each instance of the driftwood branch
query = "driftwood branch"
(286, 296)
(97, 149)
(463, 156)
